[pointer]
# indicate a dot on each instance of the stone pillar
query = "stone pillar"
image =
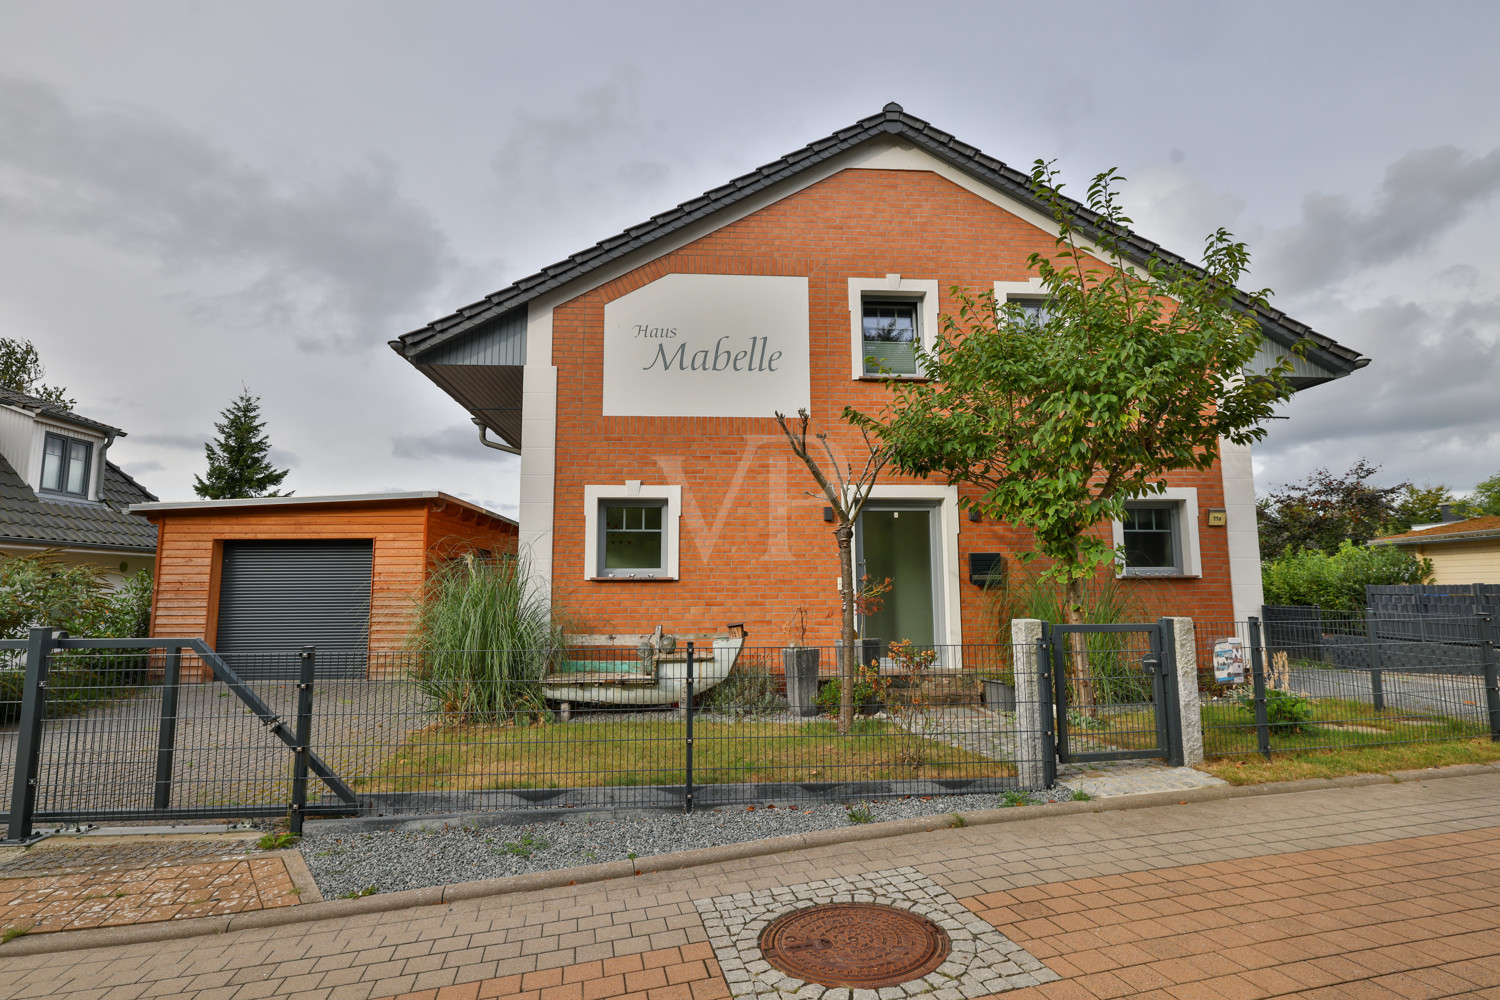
(1032, 702)
(1184, 639)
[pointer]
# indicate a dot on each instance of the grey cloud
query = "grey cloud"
(1458, 275)
(333, 258)
(186, 441)
(283, 459)
(138, 469)
(1425, 407)
(457, 441)
(1424, 194)
(600, 144)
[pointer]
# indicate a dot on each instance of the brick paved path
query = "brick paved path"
(1381, 891)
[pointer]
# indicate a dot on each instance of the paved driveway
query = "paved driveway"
(1381, 891)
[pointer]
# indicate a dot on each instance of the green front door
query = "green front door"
(898, 544)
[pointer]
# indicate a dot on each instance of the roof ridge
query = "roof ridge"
(892, 119)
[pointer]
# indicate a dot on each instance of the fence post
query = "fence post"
(1182, 647)
(166, 742)
(1044, 686)
(304, 738)
(1258, 676)
(1033, 704)
(1491, 662)
(1377, 657)
(688, 705)
(29, 735)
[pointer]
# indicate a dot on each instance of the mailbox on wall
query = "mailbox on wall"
(987, 569)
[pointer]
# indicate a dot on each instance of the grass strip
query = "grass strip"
(603, 753)
(1360, 760)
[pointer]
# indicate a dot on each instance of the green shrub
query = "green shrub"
(483, 639)
(1337, 582)
(829, 695)
(1287, 713)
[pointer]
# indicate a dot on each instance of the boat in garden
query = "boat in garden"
(638, 669)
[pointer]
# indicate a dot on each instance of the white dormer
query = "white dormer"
(58, 458)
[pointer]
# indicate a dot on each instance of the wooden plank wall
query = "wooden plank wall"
(407, 537)
(189, 553)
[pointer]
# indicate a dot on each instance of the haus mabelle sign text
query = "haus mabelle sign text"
(707, 345)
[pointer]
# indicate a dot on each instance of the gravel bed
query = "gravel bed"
(346, 860)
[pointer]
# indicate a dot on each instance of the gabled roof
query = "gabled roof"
(892, 121)
(26, 519)
(56, 411)
(1473, 529)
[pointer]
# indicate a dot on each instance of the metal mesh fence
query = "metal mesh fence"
(1333, 681)
(457, 731)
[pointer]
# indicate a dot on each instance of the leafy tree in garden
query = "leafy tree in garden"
(41, 591)
(1326, 510)
(1422, 505)
(1128, 374)
(239, 464)
(1485, 500)
(846, 492)
(21, 369)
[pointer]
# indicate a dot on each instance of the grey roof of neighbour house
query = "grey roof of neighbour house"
(892, 121)
(27, 519)
(57, 411)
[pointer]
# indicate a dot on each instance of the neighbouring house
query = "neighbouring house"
(258, 579)
(1462, 552)
(59, 491)
(637, 381)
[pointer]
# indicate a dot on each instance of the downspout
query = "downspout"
(497, 445)
(109, 439)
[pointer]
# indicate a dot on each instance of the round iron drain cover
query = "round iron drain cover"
(860, 945)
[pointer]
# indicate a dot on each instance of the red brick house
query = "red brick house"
(637, 382)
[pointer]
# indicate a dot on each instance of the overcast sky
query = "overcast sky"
(197, 195)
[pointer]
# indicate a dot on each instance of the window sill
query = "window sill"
(642, 578)
(1158, 576)
(893, 377)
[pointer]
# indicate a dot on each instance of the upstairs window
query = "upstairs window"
(65, 465)
(1035, 310)
(890, 337)
(1152, 539)
(632, 541)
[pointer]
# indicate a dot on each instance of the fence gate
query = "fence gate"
(1114, 692)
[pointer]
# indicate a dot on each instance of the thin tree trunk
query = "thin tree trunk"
(1078, 651)
(848, 656)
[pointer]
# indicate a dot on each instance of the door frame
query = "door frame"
(947, 613)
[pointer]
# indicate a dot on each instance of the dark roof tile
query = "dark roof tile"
(892, 120)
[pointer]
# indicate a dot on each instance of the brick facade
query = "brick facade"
(754, 545)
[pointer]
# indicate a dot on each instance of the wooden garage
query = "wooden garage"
(258, 579)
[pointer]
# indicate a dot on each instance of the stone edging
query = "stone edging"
(167, 930)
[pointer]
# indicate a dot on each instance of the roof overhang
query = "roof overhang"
(192, 506)
(1451, 536)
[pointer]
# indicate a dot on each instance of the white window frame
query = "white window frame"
(632, 490)
(1185, 499)
(948, 625)
(1012, 291)
(892, 287)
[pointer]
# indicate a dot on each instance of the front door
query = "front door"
(898, 544)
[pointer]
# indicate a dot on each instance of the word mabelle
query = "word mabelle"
(755, 358)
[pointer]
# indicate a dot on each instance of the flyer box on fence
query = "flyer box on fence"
(1229, 661)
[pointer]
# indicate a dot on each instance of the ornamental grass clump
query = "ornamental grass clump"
(483, 638)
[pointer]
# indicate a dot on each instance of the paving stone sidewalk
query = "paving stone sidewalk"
(69, 884)
(1380, 891)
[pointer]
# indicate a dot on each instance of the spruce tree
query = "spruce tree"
(239, 465)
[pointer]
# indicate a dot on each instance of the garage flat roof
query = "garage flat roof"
(294, 501)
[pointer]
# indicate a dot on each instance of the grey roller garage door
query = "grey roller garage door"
(277, 596)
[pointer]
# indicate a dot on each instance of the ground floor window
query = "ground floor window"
(631, 531)
(1159, 536)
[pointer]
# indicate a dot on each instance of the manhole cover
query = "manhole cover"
(863, 945)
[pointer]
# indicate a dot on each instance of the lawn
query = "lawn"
(586, 753)
(1359, 760)
(1229, 728)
